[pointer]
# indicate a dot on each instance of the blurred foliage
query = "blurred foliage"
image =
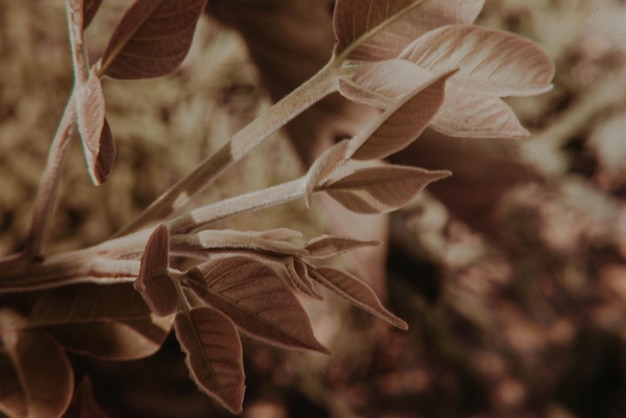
(528, 323)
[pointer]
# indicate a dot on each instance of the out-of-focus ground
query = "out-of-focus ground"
(526, 318)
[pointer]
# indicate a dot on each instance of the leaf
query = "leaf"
(403, 122)
(490, 61)
(91, 8)
(111, 322)
(84, 405)
(256, 299)
(356, 292)
(377, 30)
(36, 378)
(474, 115)
(324, 166)
(298, 274)
(153, 282)
(214, 354)
(94, 130)
(151, 39)
(326, 246)
(381, 189)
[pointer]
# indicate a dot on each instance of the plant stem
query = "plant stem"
(317, 87)
(49, 183)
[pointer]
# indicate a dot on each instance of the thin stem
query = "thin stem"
(317, 87)
(49, 183)
(260, 199)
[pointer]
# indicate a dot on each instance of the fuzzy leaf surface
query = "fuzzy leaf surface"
(153, 283)
(111, 322)
(326, 246)
(356, 292)
(254, 296)
(381, 189)
(324, 166)
(36, 378)
(489, 61)
(214, 354)
(377, 30)
(152, 38)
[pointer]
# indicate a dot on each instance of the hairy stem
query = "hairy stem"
(320, 85)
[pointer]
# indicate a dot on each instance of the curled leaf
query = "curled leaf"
(36, 378)
(152, 39)
(326, 246)
(381, 189)
(254, 296)
(489, 61)
(214, 354)
(298, 274)
(324, 166)
(153, 282)
(111, 322)
(376, 30)
(356, 292)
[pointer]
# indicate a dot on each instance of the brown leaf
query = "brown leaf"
(381, 189)
(153, 282)
(36, 378)
(324, 166)
(111, 322)
(299, 278)
(489, 61)
(84, 404)
(256, 299)
(356, 292)
(326, 246)
(90, 9)
(474, 115)
(152, 39)
(402, 123)
(377, 30)
(214, 354)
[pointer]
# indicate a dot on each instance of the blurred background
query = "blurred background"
(511, 274)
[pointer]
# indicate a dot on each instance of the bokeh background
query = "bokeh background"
(511, 274)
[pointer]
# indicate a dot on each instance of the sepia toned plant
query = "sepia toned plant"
(420, 63)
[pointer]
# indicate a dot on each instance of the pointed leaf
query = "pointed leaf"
(299, 278)
(36, 378)
(84, 404)
(214, 354)
(324, 166)
(381, 189)
(326, 246)
(356, 292)
(279, 234)
(153, 283)
(152, 38)
(256, 299)
(403, 122)
(473, 115)
(490, 61)
(91, 8)
(376, 30)
(111, 322)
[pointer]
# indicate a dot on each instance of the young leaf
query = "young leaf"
(489, 61)
(377, 30)
(111, 322)
(94, 130)
(403, 122)
(214, 354)
(84, 405)
(36, 378)
(152, 38)
(90, 9)
(256, 299)
(298, 274)
(476, 115)
(380, 189)
(326, 246)
(153, 283)
(356, 292)
(324, 166)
